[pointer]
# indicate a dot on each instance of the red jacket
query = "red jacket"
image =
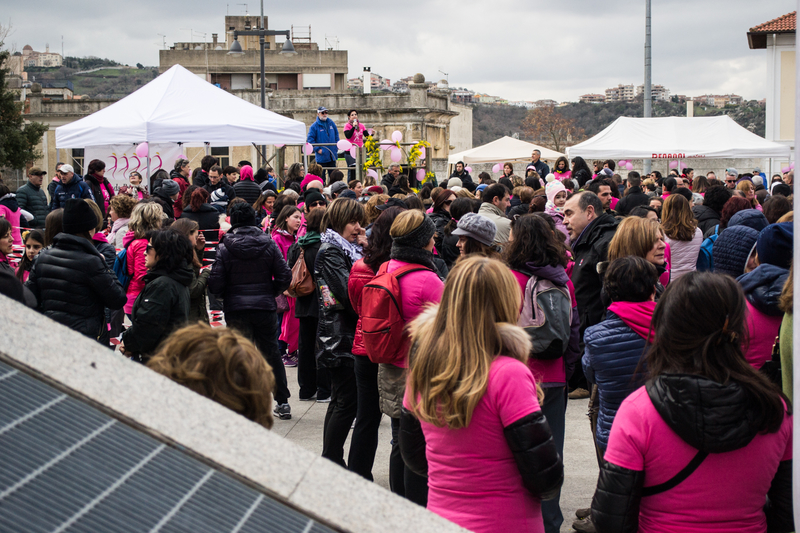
(360, 275)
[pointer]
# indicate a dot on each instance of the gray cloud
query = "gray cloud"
(519, 50)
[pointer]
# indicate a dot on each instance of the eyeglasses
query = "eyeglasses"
(316, 204)
(324, 113)
(149, 247)
(448, 202)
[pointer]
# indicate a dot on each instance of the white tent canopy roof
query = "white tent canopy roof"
(676, 138)
(504, 149)
(180, 107)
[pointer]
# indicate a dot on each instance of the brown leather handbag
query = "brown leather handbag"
(302, 283)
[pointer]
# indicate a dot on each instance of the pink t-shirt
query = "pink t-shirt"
(728, 490)
(358, 133)
(761, 331)
(473, 479)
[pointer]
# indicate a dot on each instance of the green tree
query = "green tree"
(18, 140)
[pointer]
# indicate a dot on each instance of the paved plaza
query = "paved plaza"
(305, 429)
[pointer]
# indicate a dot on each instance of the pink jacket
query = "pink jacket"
(360, 275)
(283, 240)
(761, 331)
(417, 290)
(13, 217)
(136, 261)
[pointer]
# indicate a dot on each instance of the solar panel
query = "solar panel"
(68, 467)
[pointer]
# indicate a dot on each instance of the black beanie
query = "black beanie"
(419, 237)
(243, 214)
(78, 217)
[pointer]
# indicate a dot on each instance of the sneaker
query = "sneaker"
(311, 398)
(583, 513)
(327, 399)
(290, 359)
(578, 394)
(584, 526)
(283, 411)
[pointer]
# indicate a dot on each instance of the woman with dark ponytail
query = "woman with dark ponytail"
(707, 442)
(200, 210)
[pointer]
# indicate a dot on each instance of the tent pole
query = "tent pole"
(648, 92)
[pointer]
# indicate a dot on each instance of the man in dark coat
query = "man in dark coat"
(634, 197)
(466, 180)
(71, 281)
(71, 186)
(249, 273)
(541, 167)
(220, 191)
(709, 213)
(32, 198)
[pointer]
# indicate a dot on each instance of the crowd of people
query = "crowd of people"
(467, 312)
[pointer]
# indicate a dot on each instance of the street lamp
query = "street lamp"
(262, 33)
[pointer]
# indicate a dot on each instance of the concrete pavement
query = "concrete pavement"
(305, 429)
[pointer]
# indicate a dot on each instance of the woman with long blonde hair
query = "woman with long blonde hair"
(683, 235)
(643, 238)
(471, 397)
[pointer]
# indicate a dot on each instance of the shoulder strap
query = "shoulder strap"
(408, 269)
(677, 478)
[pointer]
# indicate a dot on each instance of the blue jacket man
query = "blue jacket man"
(71, 186)
(323, 130)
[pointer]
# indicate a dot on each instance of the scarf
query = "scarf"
(308, 239)
(412, 254)
(636, 315)
(353, 251)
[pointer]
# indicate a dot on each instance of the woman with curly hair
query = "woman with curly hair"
(683, 235)
(221, 365)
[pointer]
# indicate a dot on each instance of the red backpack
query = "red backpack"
(382, 324)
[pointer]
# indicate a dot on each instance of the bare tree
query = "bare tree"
(546, 126)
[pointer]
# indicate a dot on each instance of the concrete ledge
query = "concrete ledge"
(172, 413)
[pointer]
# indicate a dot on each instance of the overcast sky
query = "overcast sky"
(517, 49)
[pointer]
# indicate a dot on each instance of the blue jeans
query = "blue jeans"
(554, 408)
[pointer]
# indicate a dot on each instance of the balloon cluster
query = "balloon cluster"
(786, 169)
(626, 164)
(677, 164)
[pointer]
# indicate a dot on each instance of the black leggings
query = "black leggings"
(368, 419)
(402, 481)
(341, 413)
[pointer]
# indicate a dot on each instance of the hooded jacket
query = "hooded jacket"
(613, 352)
(135, 255)
(762, 288)
(589, 249)
(183, 184)
(206, 216)
(706, 217)
(9, 209)
(710, 417)
(76, 188)
(73, 285)
(247, 189)
(166, 203)
(32, 198)
(249, 271)
(161, 308)
(323, 132)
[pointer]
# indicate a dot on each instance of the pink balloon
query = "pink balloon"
(629, 165)
(673, 164)
(791, 167)
(373, 173)
(422, 152)
(784, 170)
(142, 150)
(421, 174)
(182, 156)
(279, 145)
(622, 162)
(371, 131)
(386, 144)
(396, 154)
(468, 169)
(496, 168)
(353, 151)
(397, 136)
(343, 145)
(308, 149)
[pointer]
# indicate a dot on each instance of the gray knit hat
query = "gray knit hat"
(454, 182)
(419, 236)
(169, 187)
(478, 227)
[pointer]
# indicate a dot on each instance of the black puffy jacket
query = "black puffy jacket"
(707, 218)
(73, 285)
(590, 249)
(206, 216)
(709, 416)
(337, 319)
(161, 308)
(247, 190)
(249, 271)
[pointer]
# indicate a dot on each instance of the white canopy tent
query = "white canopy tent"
(676, 138)
(504, 149)
(180, 107)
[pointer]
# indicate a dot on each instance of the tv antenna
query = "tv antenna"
(163, 39)
(446, 76)
(245, 8)
(332, 42)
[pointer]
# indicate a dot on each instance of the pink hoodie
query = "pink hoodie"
(137, 270)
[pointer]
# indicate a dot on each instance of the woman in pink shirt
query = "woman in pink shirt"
(706, 444)
(471, 419)
(536, 250)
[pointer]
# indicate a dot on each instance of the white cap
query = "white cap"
(66, 169)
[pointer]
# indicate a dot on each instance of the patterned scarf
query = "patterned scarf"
(353, 251)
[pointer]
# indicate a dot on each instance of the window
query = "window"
(77, 160)
(223, 154)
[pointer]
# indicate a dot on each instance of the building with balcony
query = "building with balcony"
(593, 99)
(658, 93)
(620, 93)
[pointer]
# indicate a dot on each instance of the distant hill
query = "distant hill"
(96, 77)
(490, 122)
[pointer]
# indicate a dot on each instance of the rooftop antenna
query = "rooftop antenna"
(332, 42)
(191, 34)
(446, 75)
(164, 39)
(245, 8)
